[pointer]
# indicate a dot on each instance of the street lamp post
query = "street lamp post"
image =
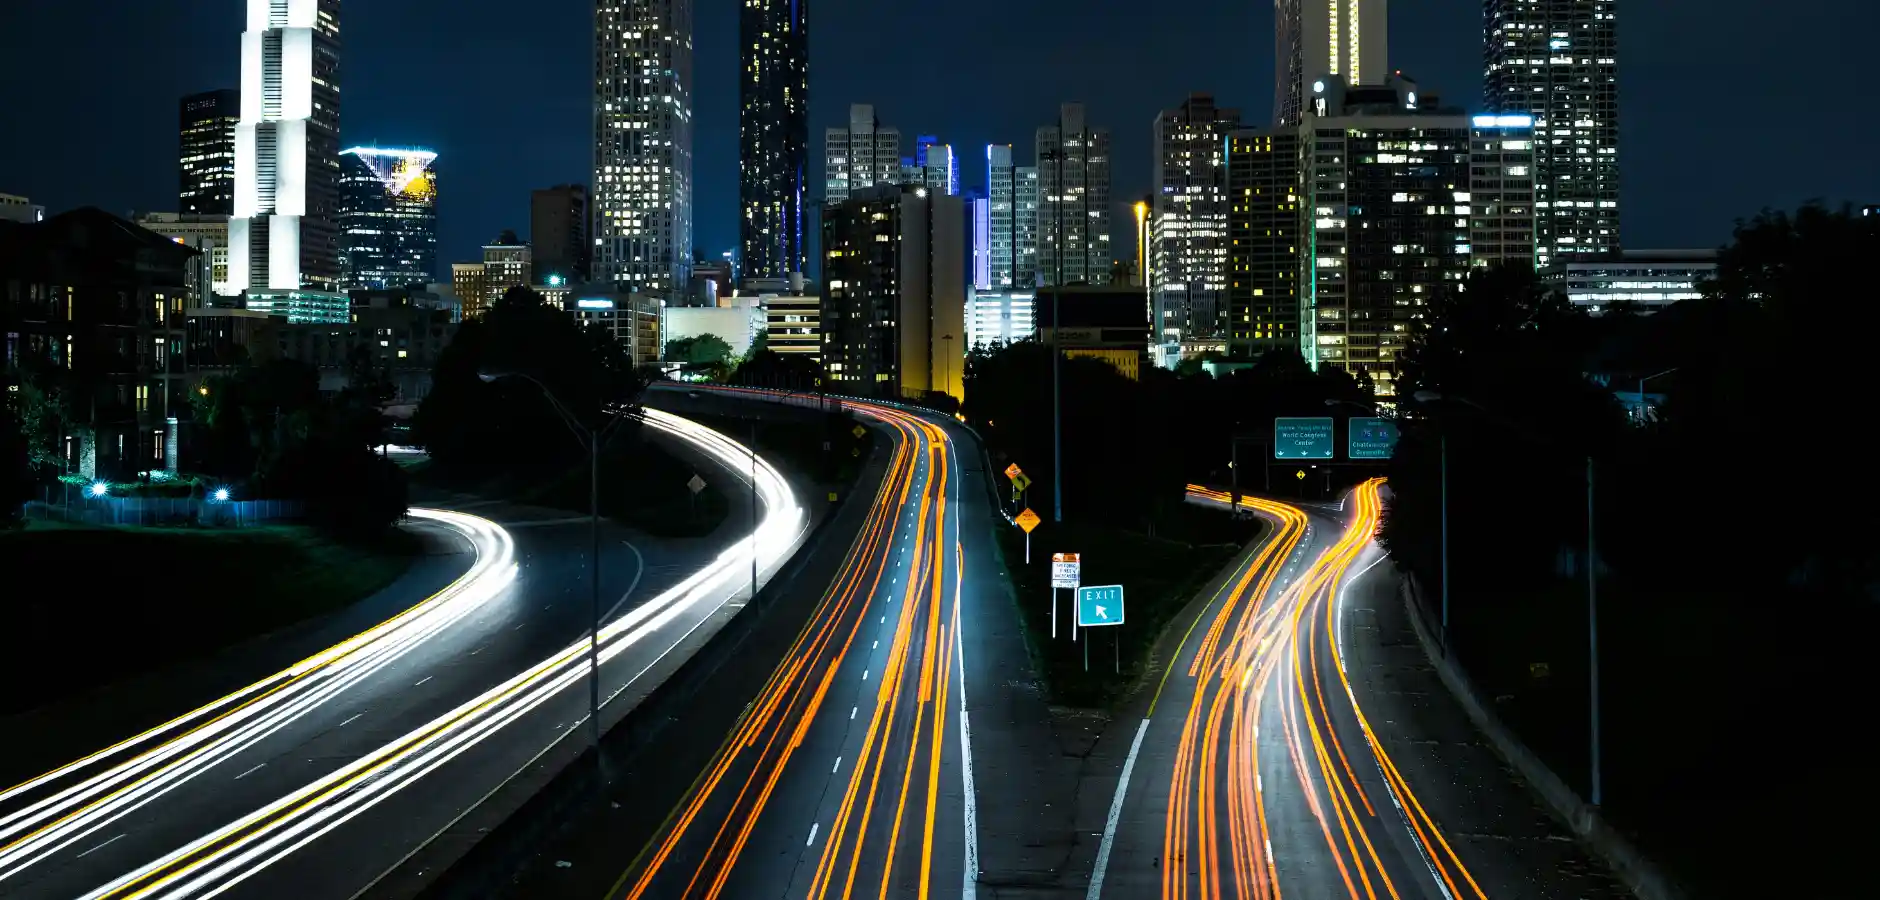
(1592, 578)
(593, 441)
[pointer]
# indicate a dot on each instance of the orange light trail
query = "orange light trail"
(1267, 645)
(713, 824)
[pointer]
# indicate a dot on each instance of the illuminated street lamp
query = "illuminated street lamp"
(593, 440)
(99, 489)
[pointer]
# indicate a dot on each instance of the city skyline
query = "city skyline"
(1670, 198)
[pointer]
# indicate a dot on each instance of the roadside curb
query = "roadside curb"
(1639, 874)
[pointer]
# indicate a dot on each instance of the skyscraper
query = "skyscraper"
(1188, 226)
(1001, 216)
(1557, 60)
(940, 168)
(1263, 232)
(285, 232)
(894, 293)
(1392, 215)
(1348, 39)
(979, 221)
(773, 136)
(863, 155)
(1025, 201)
(388, 218)
(559, 222)
(643, 144)
(1074, 214)
(206, 153)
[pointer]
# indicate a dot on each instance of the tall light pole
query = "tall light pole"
(1592, 579)
(593, 441)
(1057, 303)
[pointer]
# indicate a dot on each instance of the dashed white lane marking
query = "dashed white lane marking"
(877, 646)
(248, 773)
(812, 834)
(426, 678)
(852, 711)
(833, 769)
(350, 721)
(99, 847)
(864, 674)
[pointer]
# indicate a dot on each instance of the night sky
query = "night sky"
(1727, 106)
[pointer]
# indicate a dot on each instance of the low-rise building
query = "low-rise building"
(792, 315)
(633, 317)
(19, 209)
(1098, 322)
(97, 303)
(208, 273)
(1647, 280)
(737, 320)
(998, 317)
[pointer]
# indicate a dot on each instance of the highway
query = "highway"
(850, 772)
(298, 785)
(1255, 772)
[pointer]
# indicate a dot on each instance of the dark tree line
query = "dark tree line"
(1760, 403)
(1130, 446)
(468, 422)
(269, 432)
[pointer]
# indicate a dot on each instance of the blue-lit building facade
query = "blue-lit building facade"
(388, 218)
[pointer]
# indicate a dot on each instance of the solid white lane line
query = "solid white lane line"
(1116, 811)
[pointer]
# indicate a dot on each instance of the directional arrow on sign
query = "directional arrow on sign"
(1103, 613)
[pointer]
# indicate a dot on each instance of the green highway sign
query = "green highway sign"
(1099, 605)
(1302, 437)
(1371, 438)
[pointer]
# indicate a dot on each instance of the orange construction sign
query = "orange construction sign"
(1028, 520)
(1013, 471)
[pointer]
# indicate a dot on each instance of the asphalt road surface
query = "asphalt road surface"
(1282, 755)
(851, 771)
(297, 785)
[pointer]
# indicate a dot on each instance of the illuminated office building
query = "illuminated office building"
(979, 220)
(894, 293)
(642, 188)
(1347, 38)
(939, 167)
(1645, 280)
(284, 234)
(773, 136)
(206, 153)
(388, 218)
(1074, 211)
(1262, 298)
(1187, 274)
(1557, 60)
(999, 317)
(1390, 214)
(862, 155)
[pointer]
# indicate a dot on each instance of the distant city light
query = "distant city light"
(554, 281)
(1504, 121)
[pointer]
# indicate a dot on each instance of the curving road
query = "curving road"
(1263, 766)
(299, 785)
(850, 773)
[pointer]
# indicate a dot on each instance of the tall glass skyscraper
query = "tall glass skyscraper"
(1188, 254)
(1348, 39)
(642, 191)
(388, 217)
(206, 153)
(1557, 60)
(1074, 212)
(863, 155)
(284, 235)
(773, 136)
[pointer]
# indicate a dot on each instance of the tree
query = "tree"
(701, 350)
(16, 464)
(466, 421)
(789, 372)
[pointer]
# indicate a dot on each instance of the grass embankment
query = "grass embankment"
(1159, 575)
(1723, 716)
(88, 606)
